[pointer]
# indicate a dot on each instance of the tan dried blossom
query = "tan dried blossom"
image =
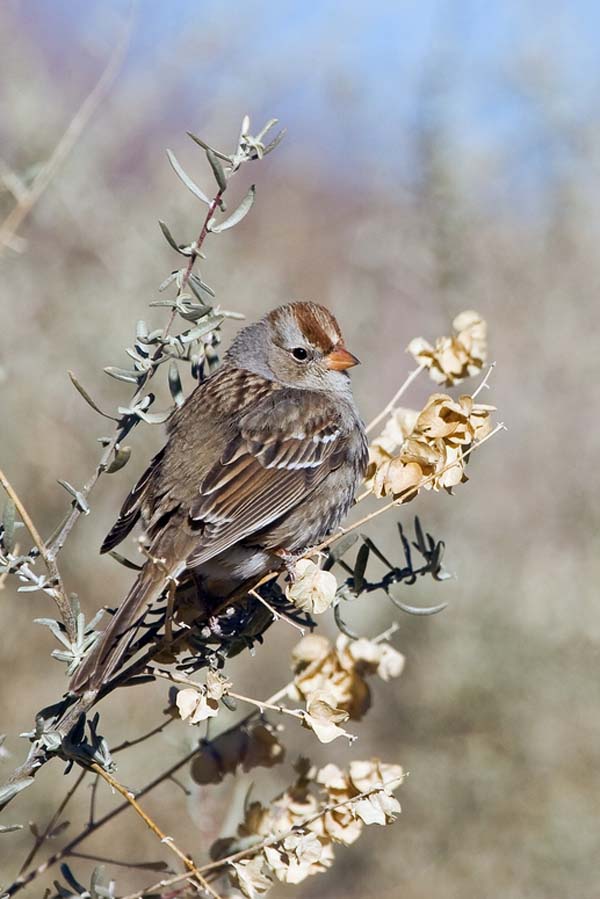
(250, 747)
(308, 827)
(252, 876)
(312, 590)
(433, 450)
(198, 704)
(323, 718)
(454, 358)
(298, 856)
(342, 670)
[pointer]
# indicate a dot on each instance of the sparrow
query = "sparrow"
(262, 461)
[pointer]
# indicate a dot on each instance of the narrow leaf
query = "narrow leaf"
(122, 457)
(205, 146)
(217, 169)
(169, 237)
(191, 185)
(83, 392)
(199, 287)
(9, 828)
(124, 374)
(275, 142)
(240, 213)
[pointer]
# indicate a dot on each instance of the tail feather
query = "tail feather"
(106, 654)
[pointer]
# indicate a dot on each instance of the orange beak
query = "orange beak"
(339, 359)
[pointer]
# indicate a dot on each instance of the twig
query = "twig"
(276, 615)
(408, 494)
(57, 591)
(93, 792)
(390, 406)
(127, 744)
(26, 879)
(78, 123)
(41, 838)
(153, 826)
(263, 844)
(484, 383)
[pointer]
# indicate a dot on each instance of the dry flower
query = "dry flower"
(308, 827)
(252, 876)
(342, 670)
(299, 856)
(431, 455)
(313, 590)
(250, 747)
(453, 359)
(198, 704)
(322, 716)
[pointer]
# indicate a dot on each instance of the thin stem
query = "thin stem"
(57, 591)
(261, 706)
(41, 838)
(263, 844)
(484, 383)
(127, 744)
(24, 880)
(153, 826)
(409, 494)
(276, 615)
(77, 125)
(390, 406)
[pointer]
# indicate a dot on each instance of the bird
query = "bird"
(261, 462)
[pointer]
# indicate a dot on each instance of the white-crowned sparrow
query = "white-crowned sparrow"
(264, 457)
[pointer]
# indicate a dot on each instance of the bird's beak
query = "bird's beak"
(339, 359)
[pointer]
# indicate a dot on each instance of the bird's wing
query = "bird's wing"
(133, 505)
(284, 446)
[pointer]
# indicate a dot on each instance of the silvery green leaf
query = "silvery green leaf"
(96, 881)
(9, 790)
(141, 329)
(121, 458)
(154, 418)
(228, 313)
(200, 287)
(9, 828)
(56, 629)
(191, 185)
(167, 281)
(175, 384)
(83, 392)
(267, 128)
(169, 237)
(240, 213)
(8, 525)
(245, 129)
(123, 374)
(217, 169)
(207, 324)
(275, 142)
(205, 146)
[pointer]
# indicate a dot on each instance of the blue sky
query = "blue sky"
(352, 75)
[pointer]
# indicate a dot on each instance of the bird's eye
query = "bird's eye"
(300, 353)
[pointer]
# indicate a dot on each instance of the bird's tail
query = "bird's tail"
(104, 657)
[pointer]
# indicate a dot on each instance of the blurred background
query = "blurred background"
(440, 156)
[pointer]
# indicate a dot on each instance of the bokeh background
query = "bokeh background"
(440, 156)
